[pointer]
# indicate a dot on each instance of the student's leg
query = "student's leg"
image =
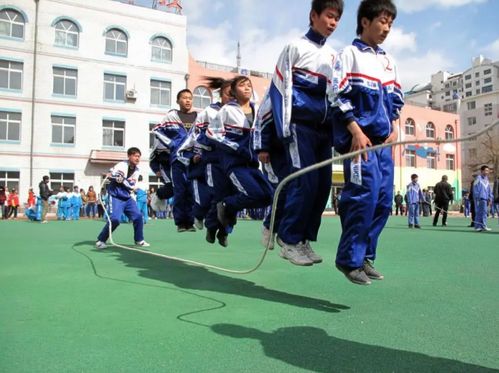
(203, 196)
(116, 208)
(182, 189)
(445, 208)
(275, 172)
(132, 212)
(438, 209)
(416, 214)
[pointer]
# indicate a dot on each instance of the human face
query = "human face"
(326, 22)
(134, 159)
(485, 172)
(244, 91)
(225, 96)
(185, 102)
(375, 32)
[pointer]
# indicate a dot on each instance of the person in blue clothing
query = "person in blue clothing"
(414, 199)
(172, 132)
(301, 115)
(123, 179)
(141, 199)
(75, 203)
(466, 204)
(482, 193)
(367, 99)
(232, 129)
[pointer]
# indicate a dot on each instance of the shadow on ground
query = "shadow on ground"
(313, 349)
(197, 278)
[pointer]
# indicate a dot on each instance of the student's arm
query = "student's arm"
(396, 96)
(185, 151)
(263, 130)
(216, 132)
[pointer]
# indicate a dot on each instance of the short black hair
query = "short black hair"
(234, 83)
(414, 176)
(45, 178)
(183, 91)
(484, 167)
(133, 150)
(371, 9)
(318, 6)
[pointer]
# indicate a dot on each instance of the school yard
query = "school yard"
(66, 307)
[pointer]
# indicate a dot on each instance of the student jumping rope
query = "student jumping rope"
(123, 178)
(367, 99)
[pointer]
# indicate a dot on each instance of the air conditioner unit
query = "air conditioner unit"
(131, 94)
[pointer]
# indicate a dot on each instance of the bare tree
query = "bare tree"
(487, 152)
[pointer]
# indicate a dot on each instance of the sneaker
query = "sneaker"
(211, 235)
(411, 226)
(198, 223)
(311, 253)
(295, 254)
(444, 224)
(279, 241)
(371, 272)
(357, 275)
(222, 238)
(417, 226)
(100, 245)
(222, 215)
(181, 228)
(190, 228)
(267, 239)
(142, 243)
(478, 229)
(487, 229)
(44, 222)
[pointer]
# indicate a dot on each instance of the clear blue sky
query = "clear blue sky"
(428, 35)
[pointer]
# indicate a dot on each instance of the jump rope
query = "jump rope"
(278, 190)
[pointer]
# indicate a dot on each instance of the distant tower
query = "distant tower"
(238, 58)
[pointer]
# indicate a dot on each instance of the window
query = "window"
(410, 126)
(155, 182)
(449, 132)
(10, 126)
(11, 24)
(161, 92)
(449, 162)
(151, 136)
(488, 109)
(201, 97)
(430, 130)
(63, 129)
(65, 81)
(161, 50)
(447, 93)
(113, 133)
(116, 42)
(472, 154)
(66, 34)
(477, 83)
(10, 179)
(11, 74)
(471, 105)
(487, 80)
(487, 72)
(430, 160)
(471, 121)
(467, 77)
(64, 179)
(487, 89)
(477, 74)
(468, 94)
(410, 158)
(114, 87)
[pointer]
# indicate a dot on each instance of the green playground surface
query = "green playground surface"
(67, 307)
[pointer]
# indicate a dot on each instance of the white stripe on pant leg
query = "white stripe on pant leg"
(209, 175)
(195, 187)
(270, 173)
(293, 150)
(237, 184)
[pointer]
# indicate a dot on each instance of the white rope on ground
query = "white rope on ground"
(276, 196)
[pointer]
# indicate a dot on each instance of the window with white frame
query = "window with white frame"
(116, 42)
(151, 135)
(449, 132)
(471, 121)
(65, 81)
(155, 182)
(114, 87)
(10, 126)
(113, 133)
(12, 24)
(487, 80)
(201, 97)
(63, 129)
(430, 130)
(64, 179)
(10, 179)
(431, 160)
(11, 74)
(487, 72)
(161, 92)
(410, 158)
(66, 34)
(161, 50)
(410, 126)
(471, 105)
(488, 109)
(487, 89)
(450, 162)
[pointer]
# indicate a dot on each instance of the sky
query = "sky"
(427, 36)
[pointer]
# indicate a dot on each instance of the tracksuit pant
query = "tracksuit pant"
(414, 214)
(481, 206)
(182, 191)
(203, 196)
(142, 206)
(306, 196)
(364, 209)
(275, 172)
(117, 207)
(221, 187)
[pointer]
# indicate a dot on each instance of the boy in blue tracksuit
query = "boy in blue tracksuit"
(301, 113)
(141, 199)
(414, 199)
(172, 132)
(482, 194)
(367, 99)
(123, 179)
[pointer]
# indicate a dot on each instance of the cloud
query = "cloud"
(410, 6)
(399, 41)
(492, 50)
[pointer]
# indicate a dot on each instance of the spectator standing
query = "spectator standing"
(443, 195)
(91, 208)
(31, 198)
(3, 199)
(13, 202)
(399, 201)
(414, 198)
(482, 193)
(45, 193)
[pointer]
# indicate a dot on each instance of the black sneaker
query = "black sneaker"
(181, 228)
(222, 238)
(357, 275)
(417, 226)
(444, 224)
(411, 226)
(222, 216)
(190, 228)
(434, 224)
(210, 235)
(371, 272)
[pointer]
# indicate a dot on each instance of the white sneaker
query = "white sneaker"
(295, 254)
(267, 239)
(198, 224)
(311, 253)
(100, 245)
(487, 229)
(142, 243)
